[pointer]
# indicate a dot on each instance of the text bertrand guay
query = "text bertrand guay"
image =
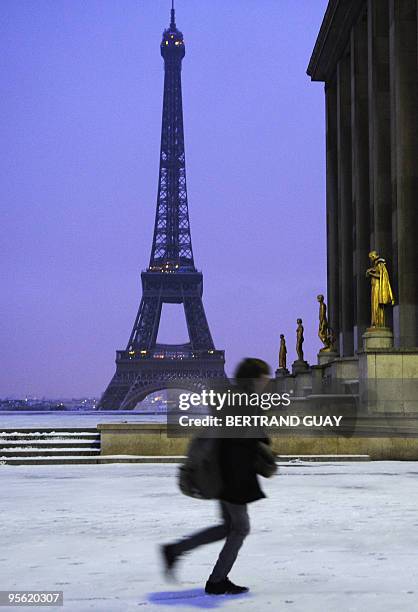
(260, 420)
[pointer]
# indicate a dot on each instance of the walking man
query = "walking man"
(240, 487)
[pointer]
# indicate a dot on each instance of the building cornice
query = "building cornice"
(333, 37)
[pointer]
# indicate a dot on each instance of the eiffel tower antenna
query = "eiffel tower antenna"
(173, 19)
(146, 366)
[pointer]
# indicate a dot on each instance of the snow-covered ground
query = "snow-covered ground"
(21, 420)
(329, 538)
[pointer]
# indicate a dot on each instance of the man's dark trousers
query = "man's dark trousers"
(235, 528)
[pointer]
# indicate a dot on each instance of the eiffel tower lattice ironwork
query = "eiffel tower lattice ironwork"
(171, 277)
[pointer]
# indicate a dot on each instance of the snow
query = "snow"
(329, 537)
(25, 449)
(47, 444)
(20, 419)
(54, 435)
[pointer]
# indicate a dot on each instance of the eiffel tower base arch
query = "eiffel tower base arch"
(139, 376)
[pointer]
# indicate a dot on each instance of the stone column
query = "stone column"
(360, 176)
(379, 127)
(345, 213)
(379, 135)
(332, 207)
(404, 130)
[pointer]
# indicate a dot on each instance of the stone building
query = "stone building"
(366, 55)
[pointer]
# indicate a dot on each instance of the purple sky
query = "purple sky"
(80, 106)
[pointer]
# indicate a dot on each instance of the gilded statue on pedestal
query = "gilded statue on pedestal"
(381, 290)
(282, 352)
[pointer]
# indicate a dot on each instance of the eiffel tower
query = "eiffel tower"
(145, 366)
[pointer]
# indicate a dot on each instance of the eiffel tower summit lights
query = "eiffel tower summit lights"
(145, 366)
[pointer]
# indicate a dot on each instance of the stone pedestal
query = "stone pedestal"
(300, 366)
(388, 379)
(377, 338)
(282, 372)
(326, 356)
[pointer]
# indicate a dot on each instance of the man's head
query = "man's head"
(299, 321)
(281, 336)
(252, 368)
(252, 374)
(373, 256)
(320, 298)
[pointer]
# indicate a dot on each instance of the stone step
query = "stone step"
(43, 446)
(54, 452)
(4, 437)
(77, 460)
(319, 458)
(47, 444)
(87, 430)
(103, 459)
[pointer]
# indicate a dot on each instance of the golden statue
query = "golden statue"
(282, 353)
(324, 332)
(299, 339)
(381, 291)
